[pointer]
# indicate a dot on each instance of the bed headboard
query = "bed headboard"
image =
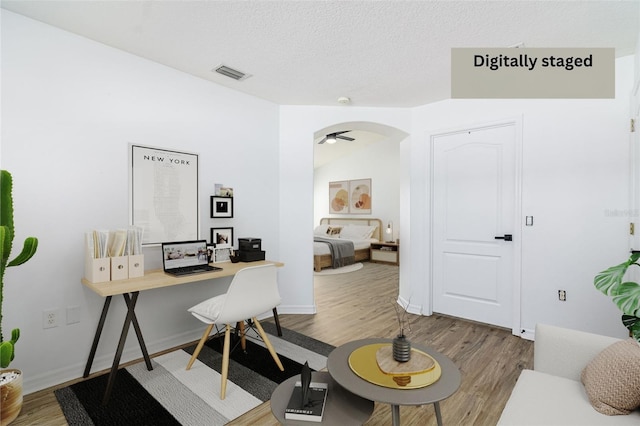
(363, 221)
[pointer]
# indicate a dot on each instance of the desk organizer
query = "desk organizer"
(97, 270)
(113, 268)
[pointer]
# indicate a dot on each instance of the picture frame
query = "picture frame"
(222, 237)
(221, 254)
(339, 197)
(163, 194)
(360, 196)
(221, 206)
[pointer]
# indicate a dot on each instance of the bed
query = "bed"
(322, 257)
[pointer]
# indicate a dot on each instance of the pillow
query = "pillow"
(209, 310)
(321, 230)
(612, 378)
(357, 232)
(334, 230)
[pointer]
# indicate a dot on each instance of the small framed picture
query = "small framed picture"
(222, 237)
(221, 254)
(221, 206)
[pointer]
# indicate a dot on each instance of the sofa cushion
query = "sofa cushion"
(545, 400)
(612, 378)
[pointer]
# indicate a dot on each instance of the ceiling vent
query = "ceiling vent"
(231, 73)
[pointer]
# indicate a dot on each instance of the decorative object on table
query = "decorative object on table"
(401, 345)
(307, 398)
(222, 254)
(10, 380)
(221, 206)
(305, 380)
(626, 295)
(250, 249)
(164, 199)
(388, 232)
(222, 237)
(375, 364)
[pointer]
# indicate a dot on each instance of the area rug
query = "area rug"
(171, 395)
(343, 270)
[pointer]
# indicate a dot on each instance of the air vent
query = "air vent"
(231, 73)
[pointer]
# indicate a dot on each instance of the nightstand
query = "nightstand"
(388, 253)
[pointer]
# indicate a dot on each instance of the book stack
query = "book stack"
(311, 411)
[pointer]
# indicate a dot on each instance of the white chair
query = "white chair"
(253, 291)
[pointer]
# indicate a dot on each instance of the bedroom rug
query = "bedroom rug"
(171, 395)
(343, 270)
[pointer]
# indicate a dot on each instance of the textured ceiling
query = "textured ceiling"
(378, 53)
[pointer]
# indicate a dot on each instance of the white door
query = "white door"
(474, 182)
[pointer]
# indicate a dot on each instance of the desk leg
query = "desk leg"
(96, 338)
(395, 415)
(277, 320)
(436, 405)
(136, 327)
(131, 305)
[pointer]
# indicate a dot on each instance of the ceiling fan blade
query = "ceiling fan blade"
(322, 141)
(346, 138)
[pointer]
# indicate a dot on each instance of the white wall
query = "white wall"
(70, 107)
(575, 172)
(380, 162)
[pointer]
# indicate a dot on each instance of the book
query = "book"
(313, 411)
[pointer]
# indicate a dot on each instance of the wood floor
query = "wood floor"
(360, 305)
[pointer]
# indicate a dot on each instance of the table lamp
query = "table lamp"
(389, 232)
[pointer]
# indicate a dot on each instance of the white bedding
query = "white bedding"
(322, 248)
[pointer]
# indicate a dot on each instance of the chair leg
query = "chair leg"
(225, 361)
(267, 343)
(200, 345)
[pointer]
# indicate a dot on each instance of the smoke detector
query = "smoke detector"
(344, 100)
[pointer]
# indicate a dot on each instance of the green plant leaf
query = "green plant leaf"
(627, 298)
(633, 325)
(6, 354)
(609, 280)
(15, 335)
(28, 250)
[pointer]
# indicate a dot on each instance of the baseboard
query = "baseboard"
(528, 334)
(104, 361)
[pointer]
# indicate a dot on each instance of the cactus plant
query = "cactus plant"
(6, 241)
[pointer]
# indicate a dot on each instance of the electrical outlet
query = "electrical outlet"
(562, 295)
(50, 318)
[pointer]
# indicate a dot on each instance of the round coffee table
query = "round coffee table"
(447, 384)
(342, 407)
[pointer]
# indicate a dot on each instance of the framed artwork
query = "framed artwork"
(360, 196)
(222, 237)
(339, 197)
(222, 254)
(163, 194)
(221, 206)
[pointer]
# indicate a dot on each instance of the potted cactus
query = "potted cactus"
(10, 379)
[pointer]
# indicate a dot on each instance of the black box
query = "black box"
(251, 256)
(249, 244)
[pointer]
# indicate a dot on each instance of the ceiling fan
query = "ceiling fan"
(333, 137)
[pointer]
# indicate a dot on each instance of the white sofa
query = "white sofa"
(552, 393)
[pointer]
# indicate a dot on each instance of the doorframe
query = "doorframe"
(518, 221)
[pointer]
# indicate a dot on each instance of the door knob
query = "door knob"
(507, 237)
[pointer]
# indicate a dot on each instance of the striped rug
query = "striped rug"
(171, 395)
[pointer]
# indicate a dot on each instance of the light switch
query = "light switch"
(528, 221)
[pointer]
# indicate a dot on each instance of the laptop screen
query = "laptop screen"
(184, 254)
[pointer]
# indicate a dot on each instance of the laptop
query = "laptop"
(186, 258)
